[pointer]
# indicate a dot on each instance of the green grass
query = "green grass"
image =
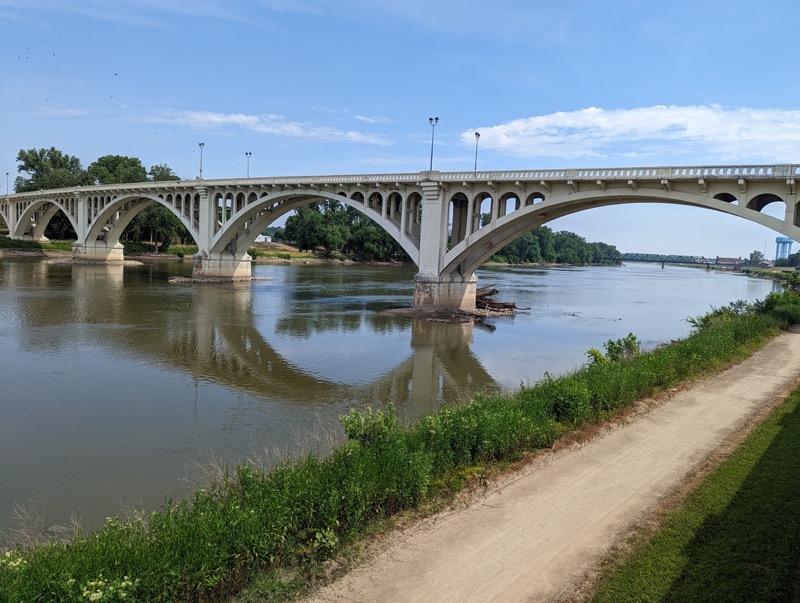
(736, 538)
(276, 530)
(6, 243)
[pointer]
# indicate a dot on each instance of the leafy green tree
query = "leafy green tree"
(161, 173)
(305, 228)
(543, 245)
(46, 169)
(331, 225)
(756, 257)
(603, 253)
(546, 238)
(571, 248)
(793, 260)
(116, 169)
(523, 250)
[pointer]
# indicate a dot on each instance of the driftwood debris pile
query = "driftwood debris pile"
(485, 303)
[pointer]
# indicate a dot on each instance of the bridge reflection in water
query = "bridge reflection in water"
(210, 333)
(117, 383)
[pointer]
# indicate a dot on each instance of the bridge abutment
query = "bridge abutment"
(441, 293)
(222, 266)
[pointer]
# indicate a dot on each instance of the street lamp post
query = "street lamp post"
(477, 138)
(247, 154)
(433, 121)
(201, 145)
(6, 184)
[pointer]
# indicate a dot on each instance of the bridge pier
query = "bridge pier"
(442, 293)
(221, 266)
(98, 252)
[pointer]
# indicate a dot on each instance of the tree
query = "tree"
(162, 173)
(116, 169)
(47, 168)
(543, 245)
(546, 238)
(305, 228)
(756, 257)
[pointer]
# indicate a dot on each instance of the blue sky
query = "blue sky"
(347, 86)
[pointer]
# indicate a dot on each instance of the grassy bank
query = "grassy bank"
(736, 538)
(282, 525)
(6, 243)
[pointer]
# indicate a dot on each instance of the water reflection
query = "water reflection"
(115, 381)
(209, 332)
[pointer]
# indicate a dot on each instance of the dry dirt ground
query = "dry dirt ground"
(539, 535)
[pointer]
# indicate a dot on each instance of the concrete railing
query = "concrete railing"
(714, 172)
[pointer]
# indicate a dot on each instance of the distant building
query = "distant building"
(263, 239)
(729, 261)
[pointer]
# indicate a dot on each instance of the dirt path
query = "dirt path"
(536, 535)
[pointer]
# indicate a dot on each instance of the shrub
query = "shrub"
(370, 427)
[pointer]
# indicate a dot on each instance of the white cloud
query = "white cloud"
(156, 13)
(373, 120)
(273, 124)
(61, 112)
(713, 132)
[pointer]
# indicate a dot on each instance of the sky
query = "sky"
(320, 87)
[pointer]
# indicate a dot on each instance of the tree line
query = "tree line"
(328, 225)
(335, 228)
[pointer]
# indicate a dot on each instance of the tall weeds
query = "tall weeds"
(300, 513)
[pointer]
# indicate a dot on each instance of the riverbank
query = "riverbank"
(541, 531)
(287, 523)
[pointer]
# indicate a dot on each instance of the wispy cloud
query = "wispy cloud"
(61, 112)
(711, 131)
(273, 124)
(373, 120)
(155, 13)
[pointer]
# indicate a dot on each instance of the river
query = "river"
(117, 386)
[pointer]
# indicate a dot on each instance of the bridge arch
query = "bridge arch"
(33, 220)
(469, 254)
(239, 231)
(109, 216)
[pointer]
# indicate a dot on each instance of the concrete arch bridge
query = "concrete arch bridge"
(434, 216)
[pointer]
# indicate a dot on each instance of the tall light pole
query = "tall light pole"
(6, 184)
(247, 154)
(433, 121)
(477, 138)
(201, 145)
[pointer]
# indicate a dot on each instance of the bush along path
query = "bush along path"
(281, 525)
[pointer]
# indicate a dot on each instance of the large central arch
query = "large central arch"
(472, 251)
